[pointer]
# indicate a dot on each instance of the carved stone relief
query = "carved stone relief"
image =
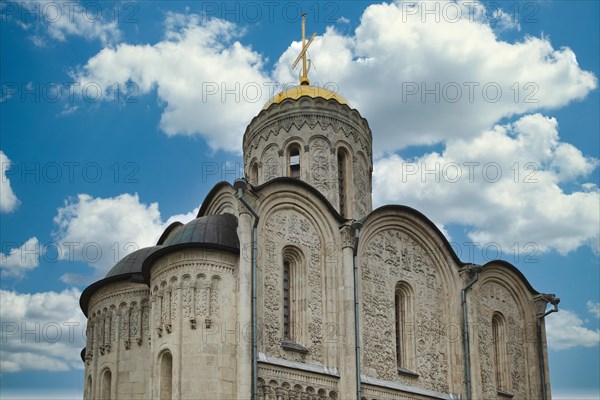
(391, 256)
(278, 384)
(283, 228)
(321, 171)
(497, 298)
(271, 167)
(362, 191)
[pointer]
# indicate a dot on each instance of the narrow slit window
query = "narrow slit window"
(293, 300)
(286, 300)
(500, 353)
(403, 320)
(400, 329)
(342, 182)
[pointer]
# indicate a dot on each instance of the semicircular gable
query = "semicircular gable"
(292, 193)
(297, 227)
(396, 245)
(511, 272)
(419, 228)
(221, 199)
(301, 188)
(505, 274)
(501, 289)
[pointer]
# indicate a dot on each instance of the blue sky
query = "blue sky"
(118, 118)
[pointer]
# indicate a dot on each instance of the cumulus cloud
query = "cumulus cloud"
(565, 330)
(424, 78)
(21, 259)
(593, 308)
(8, 200)
(42, 331)
(504, 185)
(51, 20)
(421, 79)
(101, 231)
(400, 67)
(211, 84)
(183, 218)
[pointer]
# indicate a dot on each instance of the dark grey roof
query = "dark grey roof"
(212, 231)
(170, 230)
(128, 268)
(131, 263)
(219, 230)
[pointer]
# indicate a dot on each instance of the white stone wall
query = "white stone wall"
(496, 293)
(119, 340)
(194, 318)
(197, 306)
(391, 255)
(319, 128)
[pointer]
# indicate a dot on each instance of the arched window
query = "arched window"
(343, 181)
(294, 302)
(294, 161)
(403, 326)
(286, 301)
(166, 376)
(105, 385)
(500, 354)
(254, 174)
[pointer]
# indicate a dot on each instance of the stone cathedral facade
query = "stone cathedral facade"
(288, 285)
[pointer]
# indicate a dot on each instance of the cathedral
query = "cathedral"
(288, 285)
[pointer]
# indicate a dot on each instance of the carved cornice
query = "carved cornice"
(197, 267)
(117, 297)
(394, 390)
(287, 115)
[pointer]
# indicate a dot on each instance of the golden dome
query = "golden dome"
(296, 92)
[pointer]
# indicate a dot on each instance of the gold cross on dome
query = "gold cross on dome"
(302, 56)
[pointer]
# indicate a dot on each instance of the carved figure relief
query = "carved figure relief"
(270, 167)
(134, 321)
(320, 165)
(362, 190)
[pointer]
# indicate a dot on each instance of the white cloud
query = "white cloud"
(594, 308)
(422, 81)
(505, 20)
(504, 185)
(375, 68)
(48, 19)
(19, 260)
(183, 218)
(565, 330)
(211, 84)
(8, 200)
(41, 331)
(394, 51)
(101, 231)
